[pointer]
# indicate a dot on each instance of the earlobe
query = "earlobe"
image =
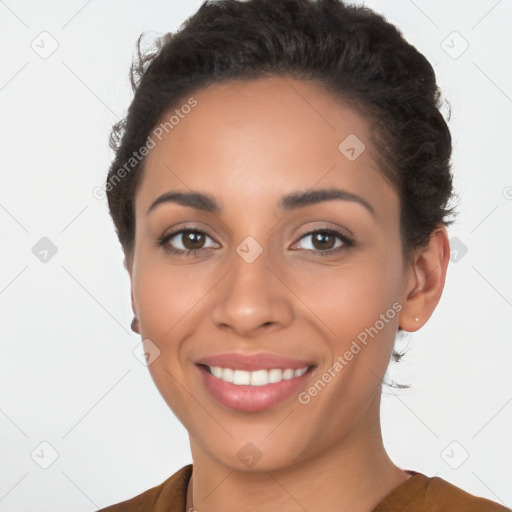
(135, 324)
(135, 321)
(425, 281)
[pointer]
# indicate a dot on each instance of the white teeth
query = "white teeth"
(275, 375)
(257, 377)
(241, 377)
(217, 371)
(227, 374)
(300, 372)
(288, 374)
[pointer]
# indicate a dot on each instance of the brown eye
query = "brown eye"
(325, 241)
(186, 241)
(192, 239)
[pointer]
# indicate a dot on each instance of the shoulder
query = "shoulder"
(421, 493)
(454, 498)
(169, 496)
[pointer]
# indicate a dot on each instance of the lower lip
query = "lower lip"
(252, 398)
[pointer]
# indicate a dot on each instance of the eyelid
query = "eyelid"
(347, 240)
(178, 231)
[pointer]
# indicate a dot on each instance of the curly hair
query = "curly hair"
(349, 51)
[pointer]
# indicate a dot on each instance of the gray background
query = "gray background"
(69, 377)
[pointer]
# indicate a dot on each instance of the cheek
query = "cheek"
(168, 296)
(352, 297)
(169, 300)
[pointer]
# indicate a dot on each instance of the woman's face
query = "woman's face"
(272, 285)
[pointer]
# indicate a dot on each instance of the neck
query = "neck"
(353, 475)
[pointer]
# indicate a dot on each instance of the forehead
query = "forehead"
(251, 142)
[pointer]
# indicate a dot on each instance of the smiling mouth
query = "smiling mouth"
(256, 377)
(254, 390)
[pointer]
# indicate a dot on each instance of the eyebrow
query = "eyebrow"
(293, 201)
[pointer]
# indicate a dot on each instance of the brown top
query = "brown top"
(419, 493)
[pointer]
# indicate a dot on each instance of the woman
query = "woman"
(281, 192)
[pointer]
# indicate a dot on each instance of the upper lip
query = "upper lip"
(251, 362)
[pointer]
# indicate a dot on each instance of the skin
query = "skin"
(248, 144)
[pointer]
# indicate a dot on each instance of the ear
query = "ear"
(128, 265)
(424, 283)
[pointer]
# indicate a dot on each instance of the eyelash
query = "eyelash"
(163, 240)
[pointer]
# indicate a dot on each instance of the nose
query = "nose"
(252, 298)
